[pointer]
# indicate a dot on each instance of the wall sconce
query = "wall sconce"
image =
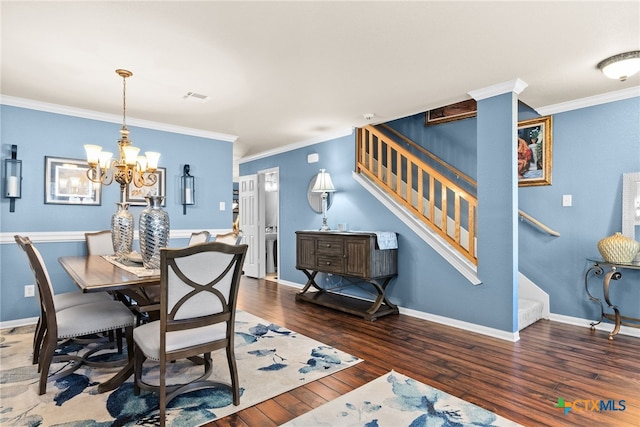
(324, 185)
(621, 66)
(188, 189)
(12, 178)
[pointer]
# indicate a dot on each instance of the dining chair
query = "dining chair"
(199, 237)
(198, 294)
(62, 301)
(230, 238)
(99, 243)
(73, 322)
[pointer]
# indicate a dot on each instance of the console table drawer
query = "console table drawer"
(330, 245)
(330, 264)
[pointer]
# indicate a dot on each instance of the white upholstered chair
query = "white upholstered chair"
(199, 237)
(198, 293)
(102, 315)
(231, 238)
(61, 301)
(99, 243)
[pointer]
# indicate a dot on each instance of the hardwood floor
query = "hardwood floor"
(521, 381)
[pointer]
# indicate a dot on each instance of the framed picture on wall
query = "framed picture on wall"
(66, 183)
(449, 113)
(535, 143)
(135, 196)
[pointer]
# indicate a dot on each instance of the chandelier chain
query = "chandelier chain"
(124, 101)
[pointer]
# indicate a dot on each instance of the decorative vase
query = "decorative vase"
(154, 231)
(122, 225)
(618, 248)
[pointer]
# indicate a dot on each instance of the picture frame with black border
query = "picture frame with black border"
(66, 183)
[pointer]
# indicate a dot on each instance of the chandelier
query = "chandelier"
(129, 168)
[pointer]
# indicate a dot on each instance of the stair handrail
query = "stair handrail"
(538, 223)
(427, 153)
(366, 162)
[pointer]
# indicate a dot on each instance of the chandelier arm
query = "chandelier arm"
(152, 179)
(98, 175)
(138, 179)
(107, 177)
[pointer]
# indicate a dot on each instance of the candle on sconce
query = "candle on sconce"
(13, 186)
(188, 196)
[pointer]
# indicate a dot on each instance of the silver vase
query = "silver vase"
(122, 225)
(154, 231)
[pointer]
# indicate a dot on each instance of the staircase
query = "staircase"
(435, 200)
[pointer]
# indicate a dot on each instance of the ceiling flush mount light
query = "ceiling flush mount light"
(621, 66)
(129, 168)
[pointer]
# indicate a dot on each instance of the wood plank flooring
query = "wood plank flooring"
(520, 381)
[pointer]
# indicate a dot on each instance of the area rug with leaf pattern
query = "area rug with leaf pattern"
(396, 400)
(271, 360)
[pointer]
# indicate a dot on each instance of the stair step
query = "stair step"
(529, 312)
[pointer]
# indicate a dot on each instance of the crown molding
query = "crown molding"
(516, 86)
(322, 138)
(590, 101)
(111, 118)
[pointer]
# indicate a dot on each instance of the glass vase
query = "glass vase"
(122, 226)
(153, 231)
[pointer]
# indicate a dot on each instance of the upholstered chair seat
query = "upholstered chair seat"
(147, 337)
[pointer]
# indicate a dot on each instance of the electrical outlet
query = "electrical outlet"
(29, 291)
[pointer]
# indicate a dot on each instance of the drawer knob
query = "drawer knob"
(328, 245)
(328, 262)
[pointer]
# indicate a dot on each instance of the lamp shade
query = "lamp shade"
(323, 183)
(621, 66)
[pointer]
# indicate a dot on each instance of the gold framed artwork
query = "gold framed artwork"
(534, 144)
(449, 113)
(135, 196)
(66, 183)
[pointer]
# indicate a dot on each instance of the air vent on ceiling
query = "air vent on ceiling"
(196, 97)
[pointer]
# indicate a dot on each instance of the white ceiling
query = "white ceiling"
(286, 72)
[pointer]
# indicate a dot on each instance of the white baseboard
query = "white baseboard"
(586, 323)
(18, 322)
(466, 326)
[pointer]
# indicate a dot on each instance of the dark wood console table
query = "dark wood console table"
(355, 256)
(614, 273)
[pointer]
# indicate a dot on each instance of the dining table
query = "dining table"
(131, 282)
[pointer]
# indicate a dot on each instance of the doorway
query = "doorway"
(271, 213)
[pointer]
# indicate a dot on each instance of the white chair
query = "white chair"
(61, 301)
(198, 293)
(199, 237)
(99, 243)
(231, 238)
(72, 322)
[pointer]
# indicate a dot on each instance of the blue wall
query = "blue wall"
(38, 134)
(592, 148)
